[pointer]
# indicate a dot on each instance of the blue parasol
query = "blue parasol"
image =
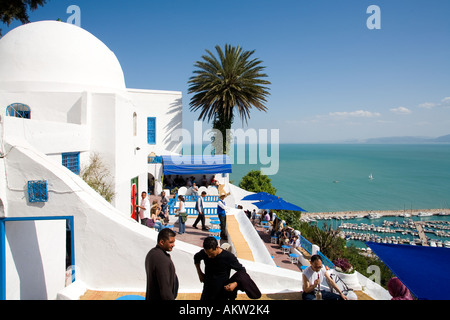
(278, 204)
(261, 196)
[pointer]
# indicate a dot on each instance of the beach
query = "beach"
(360, 214)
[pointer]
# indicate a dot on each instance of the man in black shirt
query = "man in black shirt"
(162, 281)
(218, 265)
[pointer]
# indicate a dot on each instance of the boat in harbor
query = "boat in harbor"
(373, 216)
(424, 214)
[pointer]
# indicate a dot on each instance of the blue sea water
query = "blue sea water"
(335, 177)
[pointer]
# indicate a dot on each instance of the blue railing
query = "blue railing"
(205, 199)
(192, 211)
(308, 247)
(306, 244)
(326, 261)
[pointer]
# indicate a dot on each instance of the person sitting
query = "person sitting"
(314, 287)
(285, 236)
(295, 242)
(194, 189)
(168, 181)
(204, 181)
(156, 216)
(164, 202)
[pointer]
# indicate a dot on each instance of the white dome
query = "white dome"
(53, 54)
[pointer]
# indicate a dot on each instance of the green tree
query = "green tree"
(232, 81)
(255, 181)
(98, 177)
(11, 10)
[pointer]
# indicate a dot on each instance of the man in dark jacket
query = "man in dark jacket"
(162, 281)
(218, 265)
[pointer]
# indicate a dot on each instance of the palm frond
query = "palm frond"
(231, 81)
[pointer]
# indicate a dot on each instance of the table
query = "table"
(294, 257)
(285, 248)
(274, 239)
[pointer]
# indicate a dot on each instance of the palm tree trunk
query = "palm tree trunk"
(222, 123)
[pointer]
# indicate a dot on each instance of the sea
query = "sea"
(356, 177)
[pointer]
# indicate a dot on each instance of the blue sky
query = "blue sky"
(332, 78)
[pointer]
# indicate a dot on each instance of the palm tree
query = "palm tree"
(233, 81)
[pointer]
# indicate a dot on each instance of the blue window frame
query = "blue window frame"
(18, 110)
(151, 130)
(70, 226)
(71, 161)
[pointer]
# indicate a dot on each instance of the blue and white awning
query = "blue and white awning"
(178, 164)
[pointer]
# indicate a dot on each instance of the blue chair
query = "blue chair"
(131, 297)
(214, 232)
(215, 222)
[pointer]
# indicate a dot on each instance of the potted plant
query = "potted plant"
(342, 265)
(347, 273)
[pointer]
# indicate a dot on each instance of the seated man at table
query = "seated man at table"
(314, 286)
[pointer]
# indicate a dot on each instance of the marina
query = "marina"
(425, 228)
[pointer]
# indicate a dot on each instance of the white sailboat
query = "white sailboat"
(370, 177)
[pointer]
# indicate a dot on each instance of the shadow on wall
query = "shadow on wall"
(174, 124)
(27, 259)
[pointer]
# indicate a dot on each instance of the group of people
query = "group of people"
(200, 208)
(189, 182)
(162, 280)
(154, 215)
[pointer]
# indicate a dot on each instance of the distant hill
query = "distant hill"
(404, 140)
(442, 139)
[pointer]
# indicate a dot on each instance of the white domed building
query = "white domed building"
(63, 98)
(56, 56)
(63, 91)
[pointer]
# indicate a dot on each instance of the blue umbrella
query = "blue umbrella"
(278, 204)
(261, 196)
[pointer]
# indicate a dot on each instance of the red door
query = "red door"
(133, 201)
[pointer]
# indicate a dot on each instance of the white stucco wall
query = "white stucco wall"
(166, 107)
(110, 249)
(35, 259)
